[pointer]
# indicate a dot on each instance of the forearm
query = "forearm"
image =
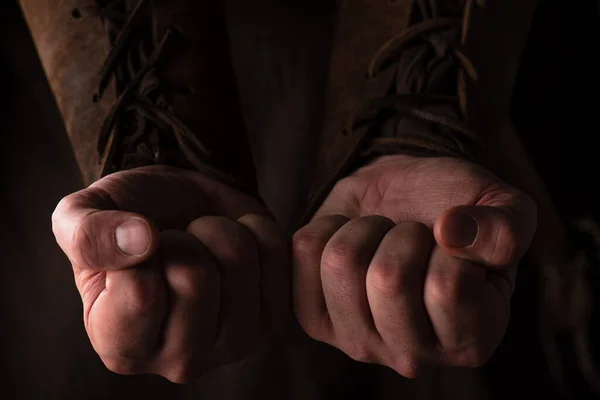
(166, 95)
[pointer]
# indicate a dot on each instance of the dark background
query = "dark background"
(44, 353)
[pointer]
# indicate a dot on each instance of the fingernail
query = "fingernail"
(461, 229)
(133, 237)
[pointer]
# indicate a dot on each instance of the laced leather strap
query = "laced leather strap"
(464, 143)
(140, 99)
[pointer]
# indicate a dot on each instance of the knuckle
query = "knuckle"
(253, 219)
(143, 298)
(305, 246)
(444, 291)
(308, 242)
(386, 280)
(340, 256)
(266, 227)
(191, 282)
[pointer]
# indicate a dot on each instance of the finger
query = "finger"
(234, 250)
(125, 321)
(93, 237)
(469, 315)
(275, 276)
(343, 273)
(495, 236)
(193, 316)
(309, 301)
(395, 282)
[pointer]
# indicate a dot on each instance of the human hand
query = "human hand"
(177, 272)
(412, 262)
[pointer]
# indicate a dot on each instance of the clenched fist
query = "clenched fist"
(178, 273)
(412, 262)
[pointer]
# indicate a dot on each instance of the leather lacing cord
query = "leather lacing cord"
(411, 104)
(141, 94)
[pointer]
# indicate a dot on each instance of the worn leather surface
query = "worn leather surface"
(72, 54)
(195, 74)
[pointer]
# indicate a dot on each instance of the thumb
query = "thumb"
(495, 236)
(94, 234)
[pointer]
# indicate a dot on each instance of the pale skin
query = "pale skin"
(202, 283)
(378, 273)
(383, 273)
